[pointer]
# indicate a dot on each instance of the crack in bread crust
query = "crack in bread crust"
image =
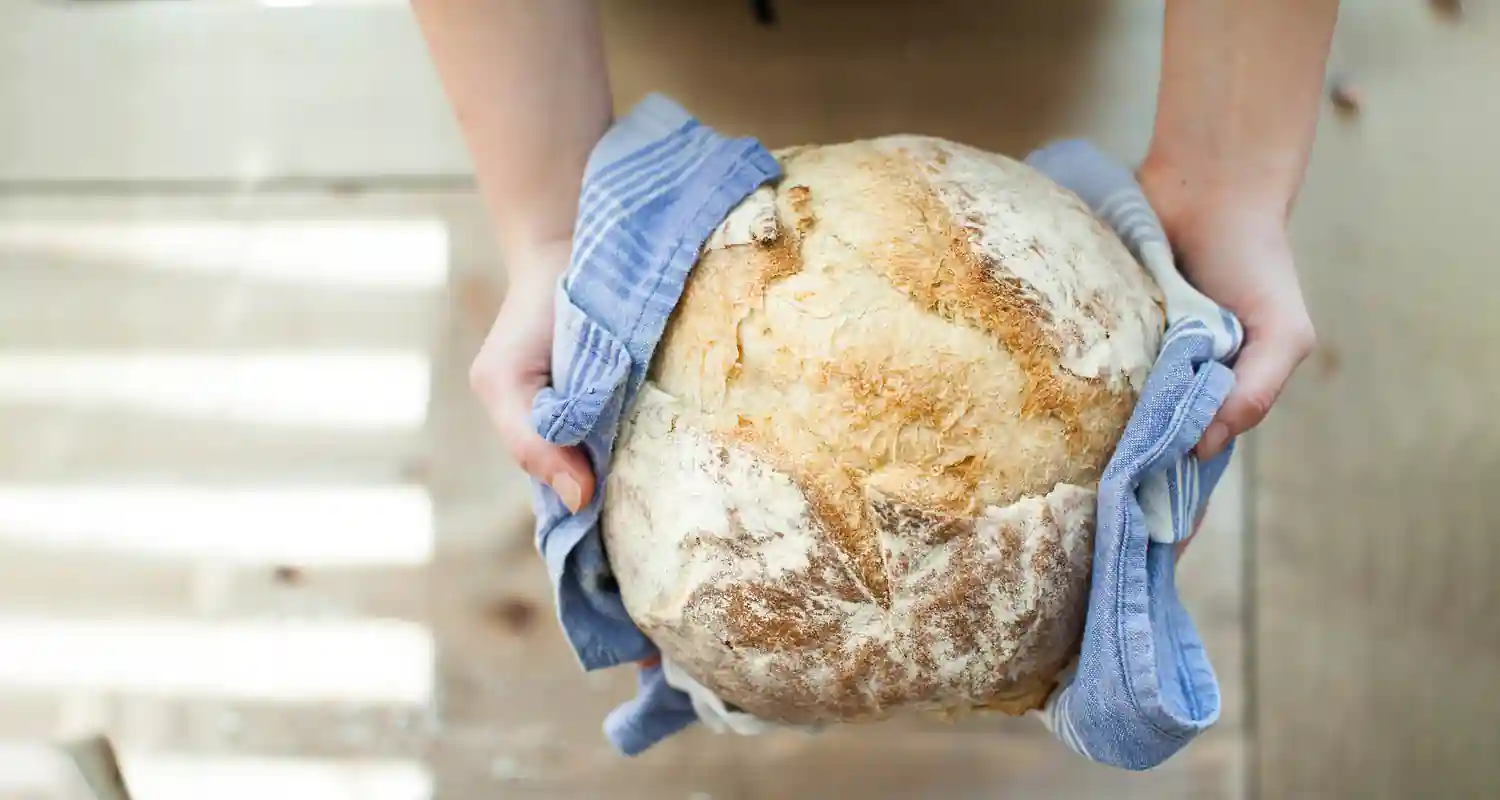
(748, 594)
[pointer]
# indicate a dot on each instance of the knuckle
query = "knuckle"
(1256, 405)
(524, 458)
(481, 378)
(495, 392)
(522, 448)
(1303, 338)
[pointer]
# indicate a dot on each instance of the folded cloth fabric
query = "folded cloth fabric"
(655, 187)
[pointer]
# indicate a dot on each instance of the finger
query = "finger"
(1258, 378)
(1263, 369)
(564, 469)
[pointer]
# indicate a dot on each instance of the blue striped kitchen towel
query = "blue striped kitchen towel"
(1143, 687)
(655, 188)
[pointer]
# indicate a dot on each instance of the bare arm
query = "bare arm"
(527, 82)
(1241, 84)
(1237, 112)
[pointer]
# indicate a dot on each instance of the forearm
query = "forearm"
(1239, 95)
(527, 82)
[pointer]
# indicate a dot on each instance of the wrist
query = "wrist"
(1189, 197)
(532, 269)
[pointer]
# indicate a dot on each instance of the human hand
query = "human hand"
(515, 363)
(1236, 250)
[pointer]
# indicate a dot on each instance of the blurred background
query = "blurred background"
(253, 526)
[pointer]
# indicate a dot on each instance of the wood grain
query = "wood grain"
(1377, 649)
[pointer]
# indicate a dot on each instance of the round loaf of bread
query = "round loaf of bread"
(860, 478)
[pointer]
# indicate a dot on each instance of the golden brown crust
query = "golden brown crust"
(796, 648)
(927, 424)
(967, 288)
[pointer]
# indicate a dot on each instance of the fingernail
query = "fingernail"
(567, 490)
(1213, 440)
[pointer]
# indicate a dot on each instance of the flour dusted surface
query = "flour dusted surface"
(1068, 268)
(718, 555)
(861, 476)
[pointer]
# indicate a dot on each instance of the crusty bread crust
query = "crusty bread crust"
(861, 476)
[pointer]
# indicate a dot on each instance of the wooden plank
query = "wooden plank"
(139, 92)
(206, 727)
(1377, 647)
(52, 305)
(307, 270)
(164, 586)
(53, 443)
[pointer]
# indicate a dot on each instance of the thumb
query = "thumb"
(1262, 370)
